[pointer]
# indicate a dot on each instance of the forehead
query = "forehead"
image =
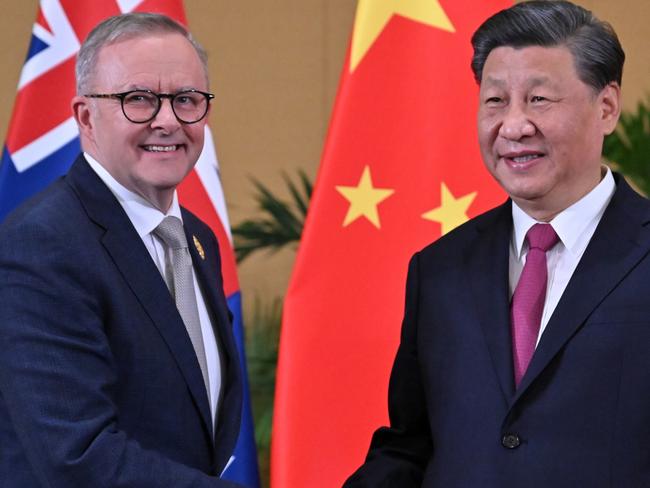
(155, 61)
(533, 65)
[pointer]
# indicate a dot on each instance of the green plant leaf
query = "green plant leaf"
(628, 147)
(280, 223)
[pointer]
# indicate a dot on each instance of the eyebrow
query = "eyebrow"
(532, 83)
(132, 87)
(540, 80)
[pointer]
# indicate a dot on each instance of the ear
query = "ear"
(82, 112)
(610, 106)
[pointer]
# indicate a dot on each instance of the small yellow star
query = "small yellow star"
(364, 199)
(373, 15)
(452, 211)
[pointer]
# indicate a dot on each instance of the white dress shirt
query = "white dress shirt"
(574, 226)
(145, 218)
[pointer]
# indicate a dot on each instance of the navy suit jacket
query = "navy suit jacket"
(99, 383)
(581, 415)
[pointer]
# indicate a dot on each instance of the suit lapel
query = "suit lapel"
(604, 264)
(487, 270)
(140, 273)
(208, 266)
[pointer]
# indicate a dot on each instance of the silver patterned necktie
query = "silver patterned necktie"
(178, 271)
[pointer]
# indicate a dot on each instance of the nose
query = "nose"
(165, 119)
(516, 123)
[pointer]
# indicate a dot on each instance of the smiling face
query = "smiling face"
(150, 159)
(541, 128)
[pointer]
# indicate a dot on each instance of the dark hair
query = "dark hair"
(597, 53)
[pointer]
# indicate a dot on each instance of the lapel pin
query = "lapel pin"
(198, 247)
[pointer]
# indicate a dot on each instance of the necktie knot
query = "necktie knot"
(542, 237)
(171, 232)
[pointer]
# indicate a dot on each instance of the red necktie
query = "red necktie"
(528, 299)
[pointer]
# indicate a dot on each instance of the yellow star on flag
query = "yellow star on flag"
(373, 15)
(452, 211)
(364, 199)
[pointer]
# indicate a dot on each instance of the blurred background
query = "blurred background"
(274, 68)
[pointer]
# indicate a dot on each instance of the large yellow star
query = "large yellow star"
(452, 211)
(373, 15)
(364, 199)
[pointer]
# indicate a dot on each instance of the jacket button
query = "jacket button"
(510, 441)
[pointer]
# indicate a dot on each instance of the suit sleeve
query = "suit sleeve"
(399, 453)
(57, 374)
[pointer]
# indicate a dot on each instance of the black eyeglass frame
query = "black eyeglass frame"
(160, 96)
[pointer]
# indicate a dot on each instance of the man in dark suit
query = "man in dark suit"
(524, 358)
(118, 366)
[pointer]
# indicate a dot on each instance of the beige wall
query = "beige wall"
(274, 68)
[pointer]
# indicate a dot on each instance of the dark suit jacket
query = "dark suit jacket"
(581, 415)
(99, 383)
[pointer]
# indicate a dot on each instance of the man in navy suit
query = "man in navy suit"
(104, 381)
(478, 397)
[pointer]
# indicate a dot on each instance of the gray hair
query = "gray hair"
(596, 50)
(124, 27)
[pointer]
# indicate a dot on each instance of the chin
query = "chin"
(169, 176)
(169, 184)
(524, 192)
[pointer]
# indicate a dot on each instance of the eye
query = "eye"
(494, 101)
(140, 98)
(187, 99)
(538, 98)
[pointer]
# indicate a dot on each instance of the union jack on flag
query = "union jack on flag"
(43, 141)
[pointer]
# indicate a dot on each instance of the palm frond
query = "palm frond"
(300, 200)
(280, 223)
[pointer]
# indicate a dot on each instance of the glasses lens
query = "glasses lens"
(139, 106)
(190, 106)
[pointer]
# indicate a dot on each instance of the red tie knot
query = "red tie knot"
(541, 236)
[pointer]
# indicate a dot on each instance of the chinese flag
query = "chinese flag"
(401, 167)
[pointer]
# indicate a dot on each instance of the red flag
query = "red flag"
(401, 166)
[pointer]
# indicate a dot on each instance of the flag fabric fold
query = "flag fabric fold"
(42, 142)
(400, 167)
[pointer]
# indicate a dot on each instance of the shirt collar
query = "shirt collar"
(144, 216)
(572, 221)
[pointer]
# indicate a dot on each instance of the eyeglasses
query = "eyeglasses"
(141, 106)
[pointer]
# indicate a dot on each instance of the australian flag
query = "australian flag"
(42, 142)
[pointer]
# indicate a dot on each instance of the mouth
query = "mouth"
(522, 160)
(161, 148)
